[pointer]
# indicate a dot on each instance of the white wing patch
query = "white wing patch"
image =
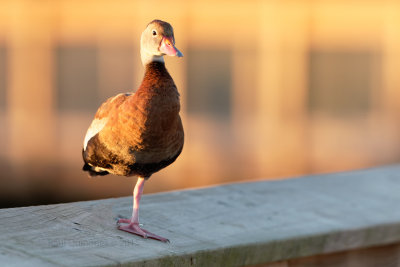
(96, 126)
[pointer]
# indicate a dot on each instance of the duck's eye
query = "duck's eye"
(154, 33)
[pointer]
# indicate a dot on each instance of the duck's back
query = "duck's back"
(143, 132)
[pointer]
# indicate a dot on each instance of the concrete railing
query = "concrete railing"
(342, 219)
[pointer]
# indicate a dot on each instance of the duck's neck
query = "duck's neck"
(157, 80)
(148, 58)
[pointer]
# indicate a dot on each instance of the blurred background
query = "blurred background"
(269, 89)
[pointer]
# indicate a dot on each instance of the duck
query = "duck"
(138, 134)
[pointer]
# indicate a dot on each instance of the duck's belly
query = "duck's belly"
(155, 152)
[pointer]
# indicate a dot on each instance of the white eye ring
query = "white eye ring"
(154, 32)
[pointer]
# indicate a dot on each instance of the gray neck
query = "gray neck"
(147, 57)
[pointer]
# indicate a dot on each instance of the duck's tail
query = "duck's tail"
(93, 171)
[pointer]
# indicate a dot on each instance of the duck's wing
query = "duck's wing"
(102, 116)
(92, 152)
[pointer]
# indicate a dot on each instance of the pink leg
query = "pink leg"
(133, 223)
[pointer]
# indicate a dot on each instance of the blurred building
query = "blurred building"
(269, 89)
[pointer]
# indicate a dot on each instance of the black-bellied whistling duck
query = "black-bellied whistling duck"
(138, 134)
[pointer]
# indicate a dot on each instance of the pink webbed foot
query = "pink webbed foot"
(134, 228)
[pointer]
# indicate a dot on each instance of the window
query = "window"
(209, 82)
(88, 75)
(341, 82)
(77, 81)
(116, 70)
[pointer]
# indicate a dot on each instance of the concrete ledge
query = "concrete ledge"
(230, 225)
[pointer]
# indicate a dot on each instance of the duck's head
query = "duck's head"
(157, 41)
